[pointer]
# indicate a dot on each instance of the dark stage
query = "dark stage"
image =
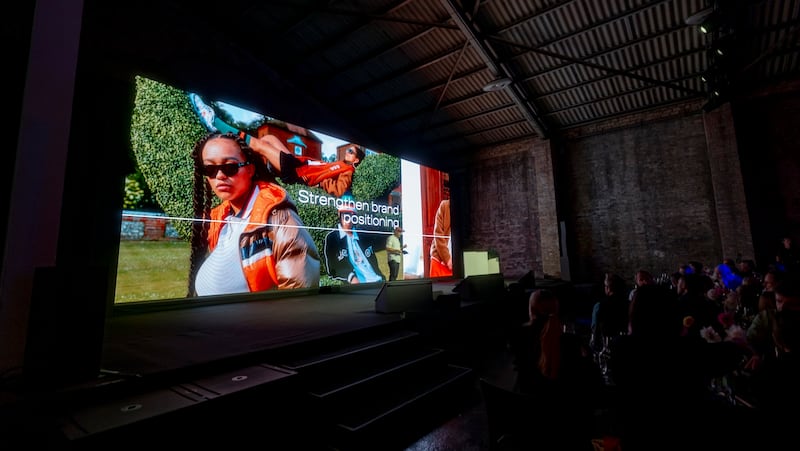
(338, 368)
(331, 353)
(155, 342)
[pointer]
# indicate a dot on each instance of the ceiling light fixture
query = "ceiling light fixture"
(699, 17)
(497, 85)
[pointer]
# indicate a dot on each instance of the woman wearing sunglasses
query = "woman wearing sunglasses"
(335, 177)
(254, 239)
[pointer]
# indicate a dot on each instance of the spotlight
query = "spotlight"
(707, 20)
(725, 45)
(712, 24)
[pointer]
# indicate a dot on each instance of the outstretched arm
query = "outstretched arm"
(338, 185)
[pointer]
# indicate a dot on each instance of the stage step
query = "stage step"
(400, 415)
(390, 388)
(327, 353)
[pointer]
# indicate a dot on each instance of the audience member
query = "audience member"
(787, 293)
(759, 332)
(749, 291)
(775, 388)
(789, 256)
(642, 277)
(610, 313)
(747, 268)
(558, 370)
(692, 302)
(673, 281)
(771, 278)
(726, 275)
(655, 369)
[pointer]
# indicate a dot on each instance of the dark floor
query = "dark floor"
(468, 431)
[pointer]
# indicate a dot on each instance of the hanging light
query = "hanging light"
(497, 85)
(699, 17)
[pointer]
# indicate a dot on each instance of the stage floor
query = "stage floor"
(157, 342)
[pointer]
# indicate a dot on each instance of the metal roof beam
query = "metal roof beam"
(487, 54)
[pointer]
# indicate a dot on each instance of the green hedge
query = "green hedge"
(164, 129)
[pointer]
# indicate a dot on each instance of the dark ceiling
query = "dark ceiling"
(408, 77)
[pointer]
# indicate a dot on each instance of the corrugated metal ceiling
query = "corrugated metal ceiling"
(409, 74)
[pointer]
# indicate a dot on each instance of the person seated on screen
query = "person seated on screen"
(254, 239)
(347, 256)
(441, 257)
(335, 178)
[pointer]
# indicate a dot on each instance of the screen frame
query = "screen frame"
(177, 302)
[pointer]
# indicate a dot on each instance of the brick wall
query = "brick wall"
(146, 226)
(766, 127)
(504, 210)
(638, 192)
(639, 197)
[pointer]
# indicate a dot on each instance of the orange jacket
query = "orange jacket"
(335, 178)
(441, 232)
(272, 256)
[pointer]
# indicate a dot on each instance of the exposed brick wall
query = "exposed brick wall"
(768, 133)
(504, 208)
(636, 197)
(652, 190)
(547, 209)
(726, 177)
(639, 198)
(635, 120)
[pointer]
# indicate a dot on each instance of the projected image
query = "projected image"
(225, 200)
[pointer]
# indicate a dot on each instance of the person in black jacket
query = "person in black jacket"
(350, 255)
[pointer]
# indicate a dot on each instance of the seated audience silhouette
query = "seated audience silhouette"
(656, 369)
(775, 389)
(610, 313)
(557, 369)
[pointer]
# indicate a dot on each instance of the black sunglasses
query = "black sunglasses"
(229, 169)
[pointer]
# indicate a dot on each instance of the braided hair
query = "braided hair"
(203, 198)
(543, 309)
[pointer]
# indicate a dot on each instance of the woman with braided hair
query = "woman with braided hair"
(254, 239)
(556, 369)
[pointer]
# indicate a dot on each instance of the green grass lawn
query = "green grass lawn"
(158, 270)
(150, 270)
